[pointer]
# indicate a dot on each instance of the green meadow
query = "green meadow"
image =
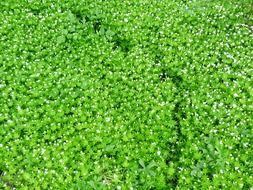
(126, 94)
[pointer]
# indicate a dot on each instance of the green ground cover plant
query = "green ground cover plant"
(134, 94)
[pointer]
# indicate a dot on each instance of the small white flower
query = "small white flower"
(108, 119)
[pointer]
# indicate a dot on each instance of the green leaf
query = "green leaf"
(141, 162)
(61, 39)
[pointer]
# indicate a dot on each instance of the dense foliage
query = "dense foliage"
(134, 94)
